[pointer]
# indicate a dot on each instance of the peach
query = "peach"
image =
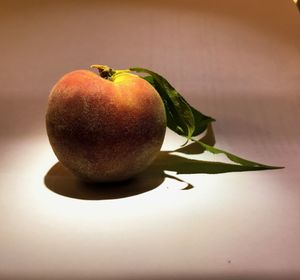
(106, 127)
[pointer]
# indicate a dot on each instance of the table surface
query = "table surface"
(237, 63)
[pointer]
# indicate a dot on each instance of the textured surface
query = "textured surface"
(237, 61)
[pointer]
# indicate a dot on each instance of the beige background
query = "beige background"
(237, 61)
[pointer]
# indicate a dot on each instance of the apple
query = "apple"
(106, 127)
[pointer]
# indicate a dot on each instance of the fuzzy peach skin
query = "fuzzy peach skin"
(105, 130)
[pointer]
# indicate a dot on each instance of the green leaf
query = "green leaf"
(251, 165)
(181, 117)
(185, 120)
(150, 80)
(172, 120)
(201, 121)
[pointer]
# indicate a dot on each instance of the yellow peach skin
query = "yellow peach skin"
(105, 129)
